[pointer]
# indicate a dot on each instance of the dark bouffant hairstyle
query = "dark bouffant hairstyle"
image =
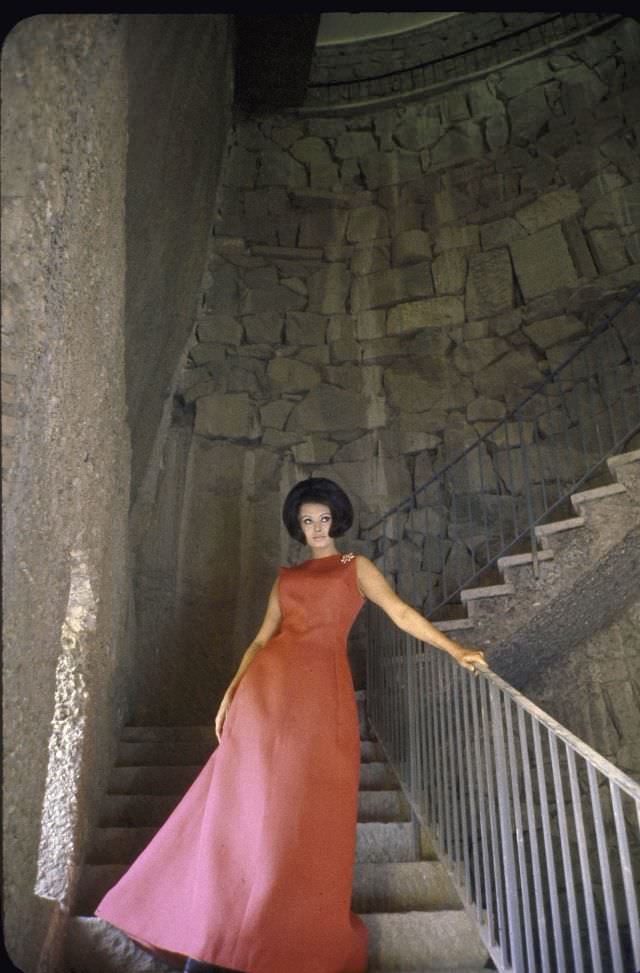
(317, 489)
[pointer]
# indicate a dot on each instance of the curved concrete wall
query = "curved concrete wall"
(113, 130)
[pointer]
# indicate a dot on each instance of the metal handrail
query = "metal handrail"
(490, 496)
(539, 833)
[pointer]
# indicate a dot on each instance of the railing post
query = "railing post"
(414, 743)
(506, 833)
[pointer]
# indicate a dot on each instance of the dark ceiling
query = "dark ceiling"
(273, 59)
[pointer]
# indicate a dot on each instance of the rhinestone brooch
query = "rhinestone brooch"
(346, 558)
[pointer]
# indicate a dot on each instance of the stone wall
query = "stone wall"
(382, 287)
(113, 130)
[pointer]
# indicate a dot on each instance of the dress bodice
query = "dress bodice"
(319, 599)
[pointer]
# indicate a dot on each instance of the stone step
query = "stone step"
(152, 810)
(578, 500)
(403, 887)
(454, 624)
(386, 886)
(488, 591)
(545, 532)
(625, 467)
(173, 734)
(423, 940)
(151, 779)
(182, 753)
(376, 841)
(522, 560)
(93, 946)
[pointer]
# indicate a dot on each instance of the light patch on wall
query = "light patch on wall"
(60, 806)
(351, 28)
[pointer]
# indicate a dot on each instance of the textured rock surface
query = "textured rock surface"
(105, 300)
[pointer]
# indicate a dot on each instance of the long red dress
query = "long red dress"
(253, 870)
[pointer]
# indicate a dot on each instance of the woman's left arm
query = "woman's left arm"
(374, 586)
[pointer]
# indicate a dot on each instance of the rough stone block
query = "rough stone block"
(291, 375)
(314, 449)
(227, 416)
(560, 204)
(475, 355)
(410, 246)
(496, 132)
(411, 392)
(311, 150)
(437, 312)
(517, 370)
(324, 175)
(280, 169)
(489, 284)
(418, 131)
(241, 170)
(286, 136)
(345, 350)
(449, 271)
(306, 328)
(451, 205)
(261, 328)
(553, 331)
(520, 78)
(390, 286)
(367, 223)
(581, 89)
(347, 376)
(499, 232)
(608, 249)
(458, 145)
(579, 250)
(223, 328)
(327, 408)
(619, 208)
(457, 237)
(485, 410)
(222, 293)
(315, 354)
(275, 414)
(600, 185)
(482, 99)
(274, 298)
(371, 324)
(390, 168)
(368, 260)
(543, 262)
(351, 145)
(320, 227)
(328, 289)
(528, 115)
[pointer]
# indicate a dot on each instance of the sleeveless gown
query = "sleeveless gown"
(253, 870)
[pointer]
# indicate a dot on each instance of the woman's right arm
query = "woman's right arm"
(269, 627)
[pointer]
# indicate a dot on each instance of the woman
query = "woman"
(253, 870)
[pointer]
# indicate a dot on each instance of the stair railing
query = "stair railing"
(540, 834)
(491, 496)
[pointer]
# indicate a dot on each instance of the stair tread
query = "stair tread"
(557, 526)
(490, 591)
(621, 459)
(596, 493)
(515, 560)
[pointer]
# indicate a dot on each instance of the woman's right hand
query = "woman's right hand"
(221, 715)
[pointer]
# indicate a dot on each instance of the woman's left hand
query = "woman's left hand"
(471, 659)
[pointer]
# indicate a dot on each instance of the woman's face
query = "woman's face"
(315, 522)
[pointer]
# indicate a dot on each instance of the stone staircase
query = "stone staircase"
(588, 568)
(415, 919)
